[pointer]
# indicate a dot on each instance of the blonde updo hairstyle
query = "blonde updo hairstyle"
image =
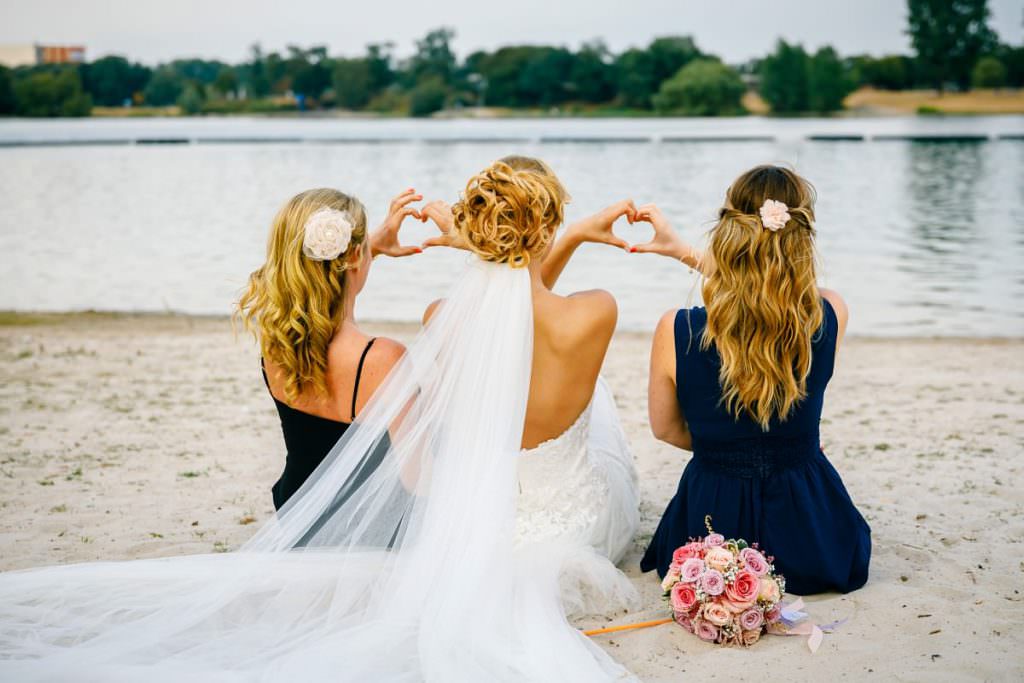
(510, 211)
(762, 300)
(294, 304)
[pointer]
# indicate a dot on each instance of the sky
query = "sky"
(152, 31)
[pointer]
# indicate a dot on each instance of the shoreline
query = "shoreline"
(33, 319)
(126, 436)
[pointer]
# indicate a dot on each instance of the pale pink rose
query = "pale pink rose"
(705, 630)
(768, 590)
(712, 582)
(751, 637)
(733, 606)
(691, 570)
(684, 553)
(744, 587)
(774, 215)
(716, 614)
(754, 561)
(751, 619)
(713, 540)
(326, 234)
(670, 579)
(718, 558)
(685, 621)
(773, 615)
(682, 597)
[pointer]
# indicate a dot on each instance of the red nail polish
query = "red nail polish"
(632, 250)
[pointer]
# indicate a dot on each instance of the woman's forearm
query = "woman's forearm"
(678, 436)
(558, 257)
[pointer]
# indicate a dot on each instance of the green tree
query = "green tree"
(164, 87)
(50, 92)
(1013, 59)
(113, 80)
(641, 72)
(891, 72)
(545, 77)
(828, 82)
(434, 58)
(949, 36)
(255, 73)
(704, 87)
(191, 100)
(226, 82)
(379, 65)
(427, 97)
(784, 79)
(592, 76)
(352, 83)
(8, 103)
(989, 72)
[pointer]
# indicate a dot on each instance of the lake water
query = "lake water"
(921, 237)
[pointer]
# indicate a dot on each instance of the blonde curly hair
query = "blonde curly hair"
(509, 211)
(294, 304)
(762, 298)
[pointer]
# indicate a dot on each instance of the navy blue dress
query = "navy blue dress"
(775, 488)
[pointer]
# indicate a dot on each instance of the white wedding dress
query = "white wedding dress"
(455, 557)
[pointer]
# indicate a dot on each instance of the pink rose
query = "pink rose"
(712, 582)
(669, 580)
(718, 558)
(685, 621)
(684, 553)
(768, 590)
(744, 588)
(773, 615)
(735, 607)
(751, 637)
(751, 619)
(716, 614)
(714, 540)
(774, 215)
(706, 631)
(754, 561)
(691, 570)
(682, 597)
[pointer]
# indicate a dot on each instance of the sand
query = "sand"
(143, 436)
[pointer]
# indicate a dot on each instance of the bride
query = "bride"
(505, 493)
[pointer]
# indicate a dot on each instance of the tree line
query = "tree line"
(954, 48)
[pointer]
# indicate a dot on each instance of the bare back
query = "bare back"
(570, 338)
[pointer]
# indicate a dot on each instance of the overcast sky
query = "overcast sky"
(157, 30)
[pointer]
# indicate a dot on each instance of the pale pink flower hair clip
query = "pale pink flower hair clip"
(774, 215)
(328, 233)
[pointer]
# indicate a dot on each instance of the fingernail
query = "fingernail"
(418, 250)
(632, 250)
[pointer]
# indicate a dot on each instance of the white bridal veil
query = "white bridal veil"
(394, 562)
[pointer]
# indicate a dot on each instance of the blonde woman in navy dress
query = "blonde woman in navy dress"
(740, 382)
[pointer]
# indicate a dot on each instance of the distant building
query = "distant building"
(31, 55)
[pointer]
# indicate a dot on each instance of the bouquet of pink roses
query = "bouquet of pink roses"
(724, 590)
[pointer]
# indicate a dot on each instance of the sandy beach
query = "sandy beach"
(143, 436)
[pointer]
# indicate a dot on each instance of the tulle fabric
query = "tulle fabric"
(401, 568)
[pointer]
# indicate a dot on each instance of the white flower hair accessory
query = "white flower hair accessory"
(328, 233)
(774, 215)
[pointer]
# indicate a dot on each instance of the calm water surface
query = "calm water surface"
(923, 238)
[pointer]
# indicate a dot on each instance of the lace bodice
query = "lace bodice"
(561, 488)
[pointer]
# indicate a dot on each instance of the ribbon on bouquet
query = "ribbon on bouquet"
(795, 622)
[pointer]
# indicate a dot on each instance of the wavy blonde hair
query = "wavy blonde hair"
(293, 304)
(762, 298)
(509, 211)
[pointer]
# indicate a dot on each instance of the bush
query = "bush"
(701, 88)
(191, 101)
(989, 72)
(51, 93)
(427, 97)
(828, 83)
(164, 88)
(8, 104)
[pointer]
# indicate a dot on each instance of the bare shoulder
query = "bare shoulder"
(386, 351)
(595, 308)
(838, 305)
(431, 310)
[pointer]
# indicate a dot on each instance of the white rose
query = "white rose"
(328, 233)
(774, 215)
